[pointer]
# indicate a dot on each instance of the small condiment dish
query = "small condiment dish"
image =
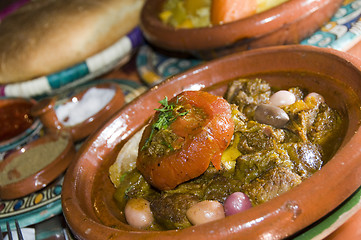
(46, 111)
(35, 165)
(87, 195)
(288, 23)
(17, 123)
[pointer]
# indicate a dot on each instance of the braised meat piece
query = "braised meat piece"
(269, 173)
(170, 210)
(255, 137)
(326, 130)
(252, 166)
(271, 184)
(220, 187)
(246, 94)
(306, 157)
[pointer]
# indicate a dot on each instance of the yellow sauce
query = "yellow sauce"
(196, 13)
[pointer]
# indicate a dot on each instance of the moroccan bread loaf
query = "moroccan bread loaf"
(45, 36)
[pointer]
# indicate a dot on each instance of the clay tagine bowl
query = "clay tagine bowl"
(82, 113)
(335, 75)
(35, 165)
(288, 23)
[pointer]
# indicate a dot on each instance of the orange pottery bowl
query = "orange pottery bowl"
(17, 123)
(35, 165)
(87, 196)
(45, 110)
(288, 23)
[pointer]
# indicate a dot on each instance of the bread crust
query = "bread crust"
(46, 36)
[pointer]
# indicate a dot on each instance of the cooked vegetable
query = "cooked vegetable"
(224, 11)
(190, 131)
(137, 213)
(204, 13)
(236, 202)
(319, 98)
(186, 13)
(271, 115)
(205, 211)
(133, 185)
(126, 159)
(282, 98)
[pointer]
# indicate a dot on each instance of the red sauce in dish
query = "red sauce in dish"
(15, 118)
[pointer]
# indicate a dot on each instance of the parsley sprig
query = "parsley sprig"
(167, 115)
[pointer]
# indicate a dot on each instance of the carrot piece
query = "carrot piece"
(224, 11)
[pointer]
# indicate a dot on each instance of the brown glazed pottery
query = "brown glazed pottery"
(17, 124)
(87, 199)
(40, 178)
(288, 23)
(46, 112)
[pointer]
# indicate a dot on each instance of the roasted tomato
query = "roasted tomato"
(185, 135)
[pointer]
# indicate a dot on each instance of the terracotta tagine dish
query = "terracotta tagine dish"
(82, 113)
(287, 22)
(93, 199)
(35, 165)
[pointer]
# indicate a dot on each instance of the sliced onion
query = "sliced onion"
(137, 213)
(205, 211)
(236, 202)
(282, 98)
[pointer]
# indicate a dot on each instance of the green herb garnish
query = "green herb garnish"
(167, 115)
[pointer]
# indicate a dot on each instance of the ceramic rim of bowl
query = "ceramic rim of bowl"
(312, 13)
(85, 128)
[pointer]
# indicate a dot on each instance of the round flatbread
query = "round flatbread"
(46, 36)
